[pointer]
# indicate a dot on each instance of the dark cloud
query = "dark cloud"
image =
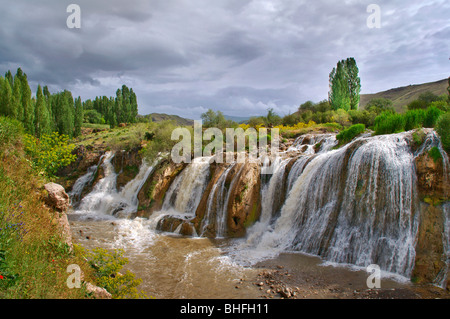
(238, 56)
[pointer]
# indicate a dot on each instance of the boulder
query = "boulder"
(98, 293)
(57, 197)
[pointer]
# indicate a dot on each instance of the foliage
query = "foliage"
(161, 141)
(10, 132)
(216, 119)
(350, 133)
(106, 265)
(60, 112)
(50, 152)
(419, 137)
(93, 117)
(345, 85)
(388, 123)
(443, 129)
(435, 154)
(431, 116)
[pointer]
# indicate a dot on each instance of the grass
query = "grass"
(350, 133)
(34, 258)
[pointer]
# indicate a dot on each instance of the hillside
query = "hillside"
(159, 117)
(403, 95)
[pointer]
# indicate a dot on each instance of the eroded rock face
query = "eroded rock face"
(57, 197)
(433, 191)
(151, 196)
(429, 248)
(126, 165)
(86, 157)
(430, 177)
(244, 207)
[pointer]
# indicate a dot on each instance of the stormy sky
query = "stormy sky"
(240, 56)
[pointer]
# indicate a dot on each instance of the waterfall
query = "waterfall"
(309, 144)
(105, 200)
(186, 191)
(82, 182)
(217, 205)
(354, 205)
(431, 141)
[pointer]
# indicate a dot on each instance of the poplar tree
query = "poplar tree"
(42, 118)
(28, 106)
(345, 85)
(78, 117)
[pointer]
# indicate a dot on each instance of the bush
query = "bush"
(431, 116)
(107, 266)
(435, 154)
(388, 123)
(349, 134)
(10, 131)
(414, 119)
(443, 129)
(50, 152)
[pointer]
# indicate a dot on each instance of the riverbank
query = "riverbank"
(298, 276)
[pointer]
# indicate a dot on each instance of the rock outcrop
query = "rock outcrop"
(151, 195)
(57, 197)
(244, 207)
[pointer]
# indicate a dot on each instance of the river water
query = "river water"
(372, 209)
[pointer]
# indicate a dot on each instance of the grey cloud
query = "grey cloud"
(235, 55)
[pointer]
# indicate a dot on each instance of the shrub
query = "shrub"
(435, 154)
(443, 129)
(414, 119)
(10, 131)
(349, 134)
(50, 152)
(107, 266)
(388, 123)
(431, 116)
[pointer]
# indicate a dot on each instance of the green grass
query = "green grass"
(96, 126)
(350, 133)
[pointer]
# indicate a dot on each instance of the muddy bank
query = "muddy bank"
(298, 276)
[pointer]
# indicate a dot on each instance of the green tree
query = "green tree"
(42, 116)
(272, 119)
(345, 85)
(380, 105)
(354, 83)
(17, 95)
(6, 106)
(443, 129)
(78, 117)
(28, 106)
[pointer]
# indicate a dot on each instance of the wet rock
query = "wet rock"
(151, 196)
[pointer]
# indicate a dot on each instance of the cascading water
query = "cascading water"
(433, 141)
(82, 182)
(105, 200)
(218, 199)
(185, 193)
(355, 205)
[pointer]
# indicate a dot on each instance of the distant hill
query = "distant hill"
(402, 96)
(159, 117)
(237, 119)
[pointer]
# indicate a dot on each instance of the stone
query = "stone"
(57, 197)
(99, 293)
